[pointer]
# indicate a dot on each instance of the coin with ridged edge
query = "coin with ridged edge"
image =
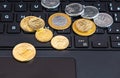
(24, 52)
(60, 42)
(36, 23)
(24, 24)
(44, 35)
(59, 21)
(84, 27)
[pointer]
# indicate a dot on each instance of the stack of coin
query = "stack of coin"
(59, 21)
(31, 23)
(24, 52)
(84, 27)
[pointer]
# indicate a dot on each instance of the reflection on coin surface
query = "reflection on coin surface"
(59, 21)
(44, 35)
(36, 23)
(50, 4)
(74, 9)
(24, 52)
(24, 24)
(90, 12)
(84, 27)
(60, 42)
(103, 20)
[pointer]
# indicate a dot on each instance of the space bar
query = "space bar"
(14, 39)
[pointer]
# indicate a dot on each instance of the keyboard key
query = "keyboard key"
(115, 44)
(13, 28)
(40, 15)
(114, 7)
(36, 7)
(100, 31)
(99, 44)
(67, 31)
(1, 28)
(115, 38)
(20, 7)
(14, 0)
(7, 17)
(81, 42)
(5, 7)
(20, 16)
(114, 29)
(117, 17)
(101, 6)
(29, 0)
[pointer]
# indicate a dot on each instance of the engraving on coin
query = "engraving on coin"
(24, 24)
(103, 20)
(90, 12)
(50, 4)
(74, 9)
(44, 35)
(60, 42)
(36, 23)
(59, 21)
(24, 52)
(84, 27)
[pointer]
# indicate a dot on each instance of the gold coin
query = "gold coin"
(59, 21)
(24, 52)
(84, 27)
(44, 35)
(60, 42)
(24, 24)
(36, 23)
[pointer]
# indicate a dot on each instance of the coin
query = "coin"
(103, 20)
(44, 35)
(36, 23)
(84, 27)
(90, 12)
(59, 21)
(24, 52)
(24, 24)
(50, 4)
(60, 42)
(74, 9)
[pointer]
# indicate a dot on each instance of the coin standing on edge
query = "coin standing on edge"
(50, 4)
(36, 23)
(59, 21)
(24, 52)
(44, 35)
(24, 24)
(74, 9)
(103, 20)
(84, 27)
(90, 12)
(60, 42)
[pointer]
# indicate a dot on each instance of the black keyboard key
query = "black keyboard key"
(20, 16)
(21, 7)
(29, 0)
(14, 0)
(100, 31)
(114, 29)
(7, 17)
(13, 28)
(117, 17)
(36, 7)
(1, 28)
(115, 44)
(66, 31)
(101, 6)
(115, 38)
(40, 15)
(81, 42)
(5, 7)
(114, 7)
(99, 44)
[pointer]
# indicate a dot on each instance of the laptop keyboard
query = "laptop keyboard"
(12, 11)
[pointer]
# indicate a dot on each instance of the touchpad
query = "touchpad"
(38, 68)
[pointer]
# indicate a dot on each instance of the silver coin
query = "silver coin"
(59, 21)
(50, 4)
(90, 12)
(74, 9)
(103, 20)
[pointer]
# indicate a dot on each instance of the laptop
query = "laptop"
(95, 56)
